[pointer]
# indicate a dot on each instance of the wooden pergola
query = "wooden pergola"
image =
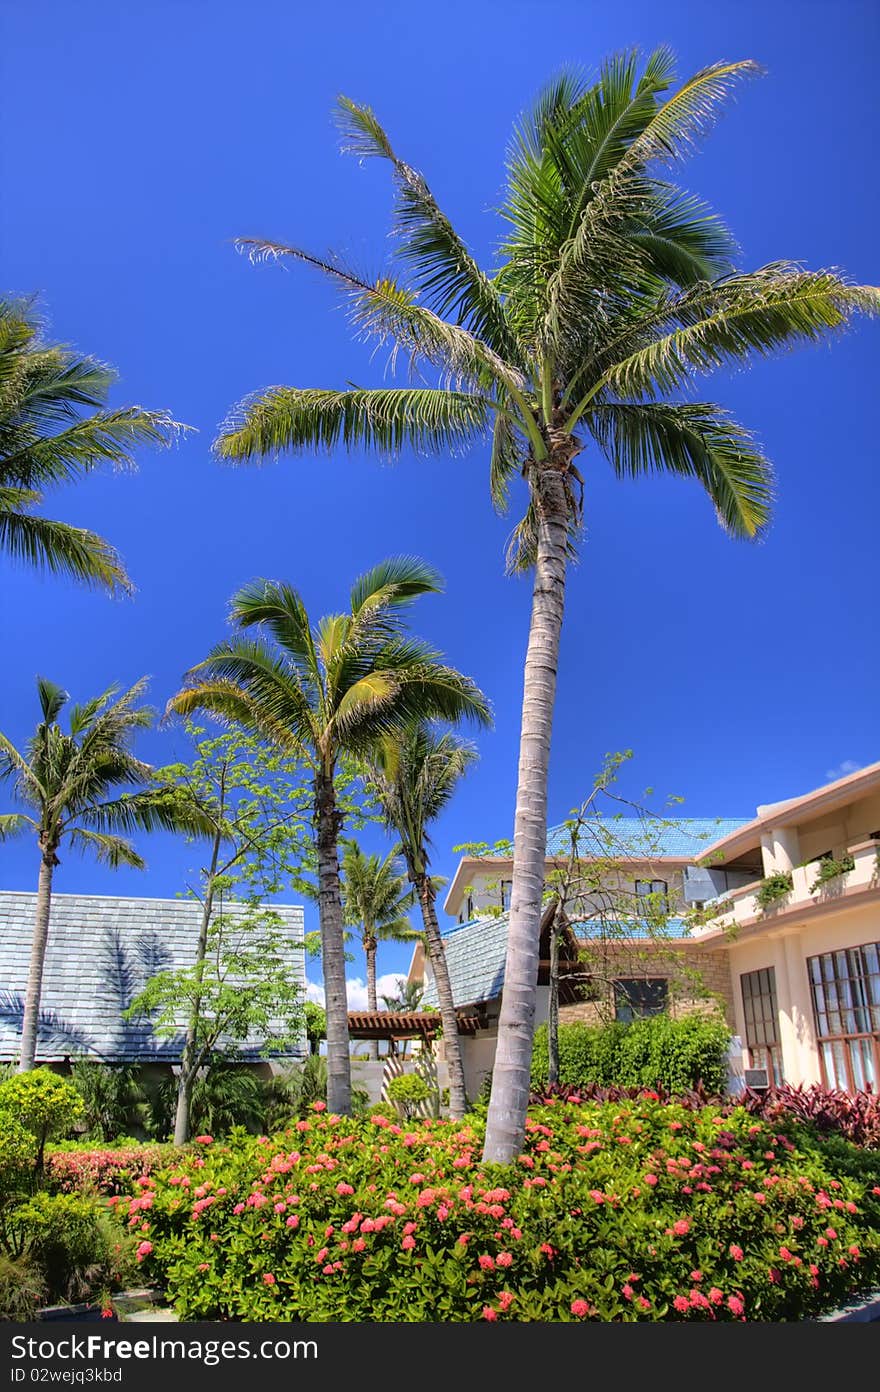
(393, 1026)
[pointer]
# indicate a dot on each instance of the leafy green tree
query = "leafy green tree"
(376, 899)
(414, 775)
(320, 692)
(55, 428)
(72, 781)
(615, 291)
(238, 983)
(316, 1025)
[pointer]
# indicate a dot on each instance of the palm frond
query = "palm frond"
(63, 550)
(443, 269)
(52, 697)
(694, 440)
(386, 419)
(112, 851)
(12, 824)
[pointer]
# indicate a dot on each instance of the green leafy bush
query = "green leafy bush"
(658, 1052)
(114, 1104)
(831, 869)
(615, 1211)
(22, 1288)
(18, 1154)
(774, 887)
(407, 1092)
(73, 1241)
(44, 1103)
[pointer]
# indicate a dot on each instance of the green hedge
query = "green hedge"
(657, 1053)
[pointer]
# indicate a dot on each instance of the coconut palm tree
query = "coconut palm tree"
(321, 691)
(54, 428)
(73, 782)
(414, 775)
(615, 291)
(376, 899)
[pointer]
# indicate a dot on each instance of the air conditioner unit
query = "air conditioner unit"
(757, 1079)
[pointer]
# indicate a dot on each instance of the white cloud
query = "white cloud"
(356, 989)
(848, 766)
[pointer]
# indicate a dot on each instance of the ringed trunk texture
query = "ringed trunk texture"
(187, 1074)
(553, 1010)
(332, 946)
(30, 1019)
(451, 1041)
(372, 998)
(506, 1121)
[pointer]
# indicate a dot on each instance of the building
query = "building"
(102, 950)
(779, 915)
(803, 935)
(625, 903)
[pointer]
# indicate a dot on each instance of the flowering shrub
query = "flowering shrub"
(855, 1116)
(103, 1170)
(658, 1052)
(630, 1210)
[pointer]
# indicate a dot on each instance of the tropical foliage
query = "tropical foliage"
(76, 783)
(376, 900)
(615, 292)
(318, 692)
(55, 428)
(622, 1211)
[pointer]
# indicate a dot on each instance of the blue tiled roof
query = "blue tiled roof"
(102, 951)
(476, 952)
(641, 837)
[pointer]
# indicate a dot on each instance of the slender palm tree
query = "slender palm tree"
(54, 428)
(376, 899)
(74, 783)
(320, 691)
(615, 290)
(414, 775)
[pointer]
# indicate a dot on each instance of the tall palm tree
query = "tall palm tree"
(615, 290)
(376, 899)
(414, 775)
(74, 784)
(54, 428)
(323, 690)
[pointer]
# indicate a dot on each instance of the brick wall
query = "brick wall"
(702, 981)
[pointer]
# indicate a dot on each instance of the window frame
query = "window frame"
(834, 997)
(621, 995)
(762, 1052)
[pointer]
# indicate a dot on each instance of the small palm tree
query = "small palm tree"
(322, 691)
(376, 899)
(54, 428)
(414, 775)
(615, 291)
(72, 782)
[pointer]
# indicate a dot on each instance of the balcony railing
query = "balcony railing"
(743, 905)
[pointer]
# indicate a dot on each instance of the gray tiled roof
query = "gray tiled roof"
(475, 954)
(101, 952)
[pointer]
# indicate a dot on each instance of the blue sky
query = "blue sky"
(136, 141)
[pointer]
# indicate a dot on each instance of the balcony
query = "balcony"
(742, 908)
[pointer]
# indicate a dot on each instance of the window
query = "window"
(636, 998)
(762, 1015)
(654, 887)
(470, 908)
(506, 887)
(845, 987)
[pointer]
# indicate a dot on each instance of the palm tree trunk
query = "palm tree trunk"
(187, 1074)
(451, 1040)
(329, 822)
(27, 1058)
(372, 998)
(505, 1127)
(553, 1007)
